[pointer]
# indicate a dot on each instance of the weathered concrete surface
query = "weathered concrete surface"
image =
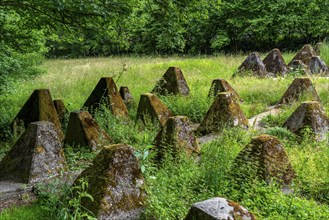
(35, 157)
(301, 87)
(150, 107)
(252, 65)
(83, 130)
(224, 112)
(172, 82)
(221, 85)
(106, 92)
(60, 109)
(318, 66)
(264, 157)
(39, 107)
(305, 54)
(255, 122)
(218, 209)
(116, 184)
(15, 194)
(299, 66)
(309, 115)
(176, 135)
(126, 96)
(275, 64)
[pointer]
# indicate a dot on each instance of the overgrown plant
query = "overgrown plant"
(63, 201)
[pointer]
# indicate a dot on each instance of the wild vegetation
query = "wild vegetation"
(135, 41)
(181, 181)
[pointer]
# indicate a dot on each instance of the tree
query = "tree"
(262, 25)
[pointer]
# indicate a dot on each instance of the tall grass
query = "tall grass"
(180, 181)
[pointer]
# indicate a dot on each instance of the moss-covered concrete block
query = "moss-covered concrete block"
(172, 83)
(309, 115)
(36, 156)
(126, 96)
(39, 107)
(299, 66)
(221, 85)
(116, 184)
(106, 92)
(318, 66)
(60, 109)
(275, 64)
(305, 54)
(252, 65)
(218, 209)
(265, 158)
(175, 136)
(224, 112)
(300, 88)
(83, 130)
(150, 107)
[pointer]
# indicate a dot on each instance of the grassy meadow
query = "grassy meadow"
(180, 181)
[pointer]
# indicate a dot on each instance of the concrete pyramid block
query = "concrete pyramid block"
(300, 87)
(224, 112)
(39, 107)
(150, 106)
(318, 66)
(127, 97)
(176, 135)
(305, 54)
(106, 92)
(253, 65)
(221, 85)
(116, 184)
(264, 157)
(83, 130)
(60, 109)
(275, 64)
(36, 156)
(172, 82)
(298, 65)
(218, 209)
(309, 115)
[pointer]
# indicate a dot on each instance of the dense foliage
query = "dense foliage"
(68, 28)
(87, 28)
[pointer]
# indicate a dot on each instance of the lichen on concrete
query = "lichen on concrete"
(252, 65)
(106, 93)
(275, 64)
(218, 209)
(304, 54)
(83, 130)
(150, 107)
(61, 110)
(301, 87)
(116, 184)
(172, 82)
(39, 107)
(224, 112)
(318, 66)
(299, 67)
(36, 156)
(309, 115)
(221, 85)
(176, 136)
(127, 97)
(265, 158)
